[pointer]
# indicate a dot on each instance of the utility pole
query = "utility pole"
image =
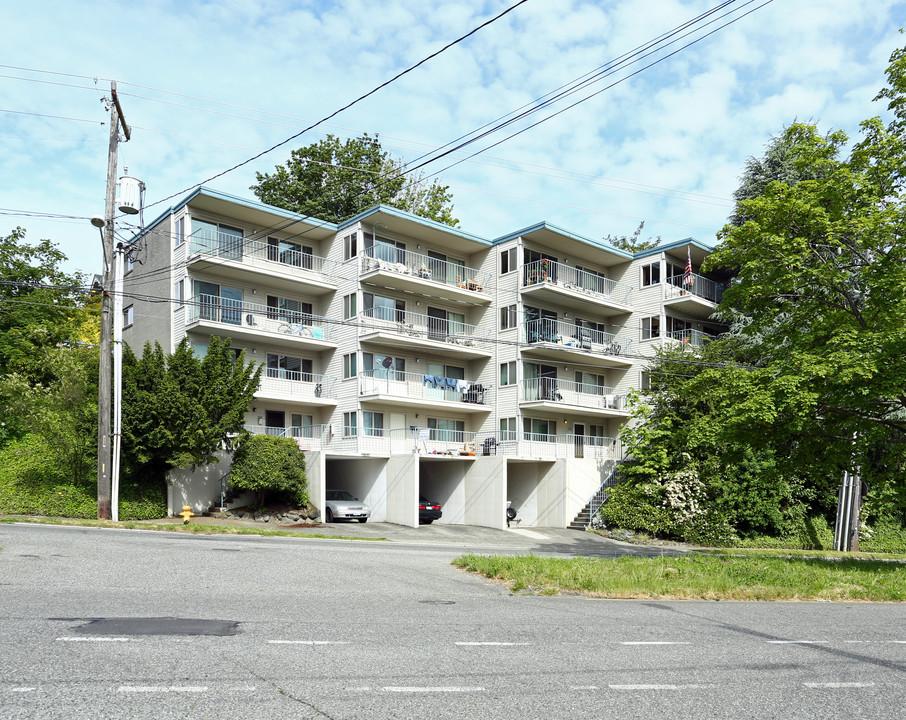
(105, 369)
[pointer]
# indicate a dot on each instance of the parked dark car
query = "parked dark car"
(428, 511)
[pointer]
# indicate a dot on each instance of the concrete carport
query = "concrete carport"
(364, 477)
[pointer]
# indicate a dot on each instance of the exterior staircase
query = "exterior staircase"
(583, 519)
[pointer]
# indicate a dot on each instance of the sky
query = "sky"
(205, 85)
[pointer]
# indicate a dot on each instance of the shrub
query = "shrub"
(638, 507)
(264, 463)
(711, 528)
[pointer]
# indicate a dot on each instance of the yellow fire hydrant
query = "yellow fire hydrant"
(186, 514)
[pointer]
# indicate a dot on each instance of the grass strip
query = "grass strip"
(194, 529)
(697, 577)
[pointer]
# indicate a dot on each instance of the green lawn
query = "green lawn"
(699, 577)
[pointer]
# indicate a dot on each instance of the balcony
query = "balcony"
(552, 339)
(414, 272)
(411, 389)
(567, 286)
(256, 323)
(298, 387)
(696, 338)
(405, 329)
(697, 296)
(233, 258)
(563, 395)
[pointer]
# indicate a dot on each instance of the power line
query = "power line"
(55, 117)
(345, 107)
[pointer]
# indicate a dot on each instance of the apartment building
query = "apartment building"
(408, 358)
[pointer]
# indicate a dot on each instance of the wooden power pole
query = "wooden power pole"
(105, 372)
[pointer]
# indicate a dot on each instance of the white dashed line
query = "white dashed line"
(95, 639)
(653, 642)
(161, 689)
(22, 689)
(659, 687)
(453, 689)
(583, 687)
(493, 644)
(306, 642)
(835, 685)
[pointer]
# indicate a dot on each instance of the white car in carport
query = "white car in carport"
(340, 505)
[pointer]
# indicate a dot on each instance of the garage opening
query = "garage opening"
(362, 478)
(442, 481)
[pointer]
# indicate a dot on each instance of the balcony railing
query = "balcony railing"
(549, 330)
(421, 387)
(697, 285)
(229, 312)
(441, 442)
(425, 267)
(259, 254)
(423, 326)
(572, 393)
(581, 281)
(297, 385)
(691, 337)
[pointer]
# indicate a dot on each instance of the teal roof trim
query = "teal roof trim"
(402, 214)
(565, 233)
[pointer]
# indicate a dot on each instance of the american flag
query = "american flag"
(688, 277)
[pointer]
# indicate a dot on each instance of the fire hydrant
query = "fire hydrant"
(186, 514)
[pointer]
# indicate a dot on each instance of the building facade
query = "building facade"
(408, 358)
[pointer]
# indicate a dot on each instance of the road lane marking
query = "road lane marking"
(22, 689)
(452, 689)
(95, 639)
(835, 685)
(796, 642)
(495, 644)
(583, 687)
(307, 642)
(659, 687)
(653, 642)
(161, 688)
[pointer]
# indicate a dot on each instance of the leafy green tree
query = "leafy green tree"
(334, 181)
(264, 463)
(62, 409)
(179, 409)
(633, 243)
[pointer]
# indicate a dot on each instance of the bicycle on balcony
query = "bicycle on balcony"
(297, 329)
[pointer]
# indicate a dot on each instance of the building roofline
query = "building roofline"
(674, 245)
(543, 225)
(403, 215)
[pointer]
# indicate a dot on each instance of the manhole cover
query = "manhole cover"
(158, 626)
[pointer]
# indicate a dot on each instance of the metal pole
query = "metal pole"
(104, 369)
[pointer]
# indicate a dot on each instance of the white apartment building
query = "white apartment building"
(412, 359)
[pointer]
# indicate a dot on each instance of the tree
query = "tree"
(263, 463)
(62, 410)
(335, 181)
(179, 409)
(633, 243)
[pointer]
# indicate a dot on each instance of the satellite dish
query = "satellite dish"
(387, 362)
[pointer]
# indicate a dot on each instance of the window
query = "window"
(350, 246)
(651, 274)
(218, 302)
(349, 310)
(349, 424)
(179, 292)
(217, 239)
(677, 328)
(591, 279)
(289, 253)
(507, 428)
(539, 430)
(286, 310)
(128, 316)
(446, 429)
(130, 261)
(286, 367)
(373, 365)
(391, 251)
(443, 324)
(589, 383)
(507, 261)
(645, 380)
(179, 231)
(675, 271)
(508, 373)
(301, 425)
(651, 327)
(373, 423)
(349, 366)
(384, 308)
(507, 317)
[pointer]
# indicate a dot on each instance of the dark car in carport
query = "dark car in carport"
(428, 511)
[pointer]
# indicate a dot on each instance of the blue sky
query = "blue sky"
(205, 85)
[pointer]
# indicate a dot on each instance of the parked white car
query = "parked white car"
(340, 505)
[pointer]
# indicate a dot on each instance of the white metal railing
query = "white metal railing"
(562, 332)
(696, 338)
(227, 312)
(296, 384)
(423, 326)
(571, 278)
(572, 393)
(423, 387)
(425, 267)
(439, 441)
(679, 285)
(256, 253)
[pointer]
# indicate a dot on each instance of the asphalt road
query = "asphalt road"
(101, 623)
